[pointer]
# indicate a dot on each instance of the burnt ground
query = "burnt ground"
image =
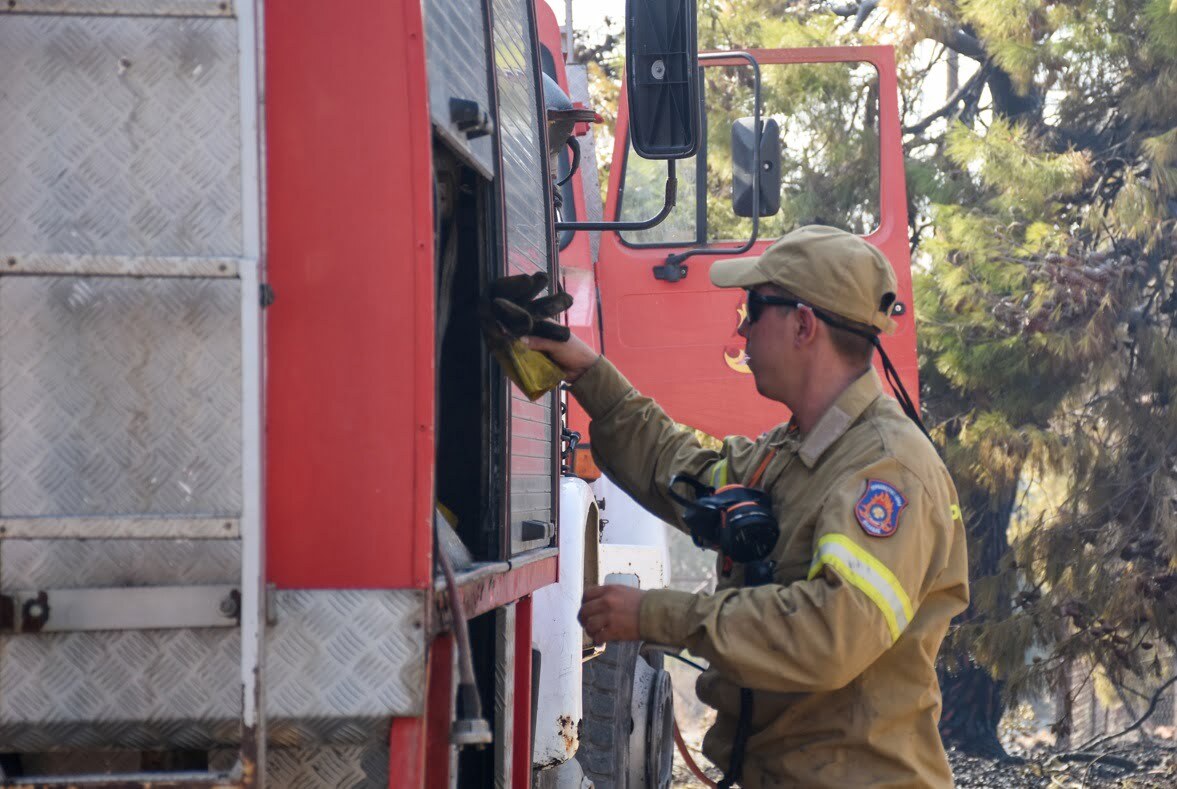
(1135, 765)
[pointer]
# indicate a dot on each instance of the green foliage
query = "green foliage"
(1046, 313)
(1007, 155)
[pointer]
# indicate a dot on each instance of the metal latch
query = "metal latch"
(671, 270)
(470, 118)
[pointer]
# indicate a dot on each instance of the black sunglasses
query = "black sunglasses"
(758, 301)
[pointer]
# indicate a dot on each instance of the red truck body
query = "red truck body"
(349, 209)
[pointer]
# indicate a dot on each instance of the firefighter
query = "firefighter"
(836, 653)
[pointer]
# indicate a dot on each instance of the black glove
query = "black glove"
(514, 307)
(511, 311)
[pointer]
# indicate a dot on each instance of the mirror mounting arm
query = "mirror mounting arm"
(673, 269)
(669, 202)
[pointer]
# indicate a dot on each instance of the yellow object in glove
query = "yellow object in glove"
(515, 309)
(534, 373)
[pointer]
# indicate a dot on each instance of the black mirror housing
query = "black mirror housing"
(750, 166)
(661, 72)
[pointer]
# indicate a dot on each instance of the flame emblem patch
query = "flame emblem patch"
(878, 509)
(733, 352)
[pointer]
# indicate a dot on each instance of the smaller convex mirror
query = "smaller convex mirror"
(750, 166)
(661, 73)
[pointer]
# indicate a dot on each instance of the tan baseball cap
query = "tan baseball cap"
(825, 267)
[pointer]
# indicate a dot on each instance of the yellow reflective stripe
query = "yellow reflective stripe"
(719, 474)
(867, 574)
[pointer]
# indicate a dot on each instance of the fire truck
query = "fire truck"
(270, 513)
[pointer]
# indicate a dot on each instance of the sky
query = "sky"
(589, 14)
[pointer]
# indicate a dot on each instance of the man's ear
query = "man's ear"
(806, 325)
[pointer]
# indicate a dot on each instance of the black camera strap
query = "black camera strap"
(753, 576)
(889, 371)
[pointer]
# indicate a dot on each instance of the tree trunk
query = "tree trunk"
(973, 703)
(972, 711)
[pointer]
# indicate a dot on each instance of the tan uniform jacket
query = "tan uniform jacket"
(870, 568)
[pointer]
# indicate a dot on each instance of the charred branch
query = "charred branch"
(860, 11)
(967, 92)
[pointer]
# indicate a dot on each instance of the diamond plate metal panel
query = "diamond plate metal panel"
(121, 136)
(504, 720)
(80, 564)
(119, 396)
(455, 35)
(321, 768)
(353, 652)
(338, 665)
(523, 151)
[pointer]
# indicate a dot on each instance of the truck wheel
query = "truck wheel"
(627, 740)
(651, 745)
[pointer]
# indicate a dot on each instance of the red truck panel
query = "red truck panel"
(349, 376)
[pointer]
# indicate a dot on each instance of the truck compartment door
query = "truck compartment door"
(841, 164)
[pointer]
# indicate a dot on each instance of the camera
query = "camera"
(735, 520)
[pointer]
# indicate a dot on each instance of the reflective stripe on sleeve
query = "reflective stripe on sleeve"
(719, 474)
(866, 573)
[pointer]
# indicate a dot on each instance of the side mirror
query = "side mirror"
(750, 167)
(661, 73)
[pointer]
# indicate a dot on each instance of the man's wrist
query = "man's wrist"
(665, 616)
(600, 388)
(572, 376)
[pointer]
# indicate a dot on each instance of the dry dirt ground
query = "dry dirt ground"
(1129, 766)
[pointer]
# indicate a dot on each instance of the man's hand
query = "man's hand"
(573, 356)
(610, 613)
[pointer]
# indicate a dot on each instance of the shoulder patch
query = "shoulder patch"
(878, 509)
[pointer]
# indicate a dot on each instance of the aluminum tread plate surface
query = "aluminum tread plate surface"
(504, 695)
(456, 40)
(80, 564)
(523, 150)
(338, 663)
(121, 136)
(119, 396)
(328, 767)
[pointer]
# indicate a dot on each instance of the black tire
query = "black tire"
(608, 741)
(608, 697)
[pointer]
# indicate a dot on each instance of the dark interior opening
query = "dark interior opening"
(470, 411)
